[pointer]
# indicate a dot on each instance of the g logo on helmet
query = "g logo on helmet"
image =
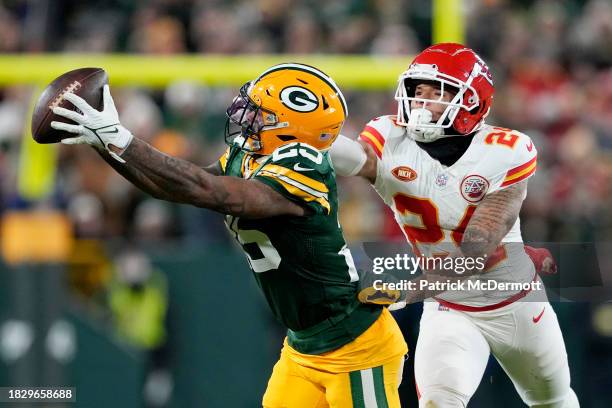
(474, 188)
(299, 99)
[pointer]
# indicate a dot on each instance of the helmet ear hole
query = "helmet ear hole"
(286, 138)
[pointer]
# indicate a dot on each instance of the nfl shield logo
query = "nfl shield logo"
(441, 180)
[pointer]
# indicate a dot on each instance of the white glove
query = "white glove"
(99, 129)
(397, 306)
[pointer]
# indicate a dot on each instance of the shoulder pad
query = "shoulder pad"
(376, 131)
(302, 158)
(512, 152)
(301, 173)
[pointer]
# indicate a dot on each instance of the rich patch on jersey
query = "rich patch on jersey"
(404, 173)
(474, 187)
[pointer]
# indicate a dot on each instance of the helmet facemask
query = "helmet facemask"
(418, 119)
(246, 120)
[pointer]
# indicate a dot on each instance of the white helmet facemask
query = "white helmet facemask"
(418, 120)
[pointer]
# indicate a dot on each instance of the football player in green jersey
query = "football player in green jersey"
(277, 188)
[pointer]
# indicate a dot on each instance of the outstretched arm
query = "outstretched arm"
(184, 182)
(368, 171)
(163, 176)
(353, 158)
(141, 179)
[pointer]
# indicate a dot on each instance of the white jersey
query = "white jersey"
(433, 203)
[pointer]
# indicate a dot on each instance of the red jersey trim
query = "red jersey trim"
(466, 308)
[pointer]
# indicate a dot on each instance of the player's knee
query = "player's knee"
(442, 399)
(571, 401)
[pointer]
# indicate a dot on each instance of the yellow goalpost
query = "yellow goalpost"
(360, 72)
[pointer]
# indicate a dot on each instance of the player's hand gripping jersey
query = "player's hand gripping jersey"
(302, 264)
(433, 203)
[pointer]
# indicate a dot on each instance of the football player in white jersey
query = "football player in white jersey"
(456, 186)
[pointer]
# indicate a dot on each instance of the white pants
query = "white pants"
(453, 349)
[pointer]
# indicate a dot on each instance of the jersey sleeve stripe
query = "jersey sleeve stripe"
(376, 135)
(294, 183)
(372, 141)
(274, 169)
(522, 167)
(303, 194)
(515, 178)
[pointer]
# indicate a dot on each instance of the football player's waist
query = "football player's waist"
(336, 331)
(339, 317)
(442, 249)
(492, 290)
(382, 341)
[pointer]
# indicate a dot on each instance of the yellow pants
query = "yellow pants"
(371, 380)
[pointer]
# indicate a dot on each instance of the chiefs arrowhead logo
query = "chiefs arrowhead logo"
(404, 173)
(530, 147)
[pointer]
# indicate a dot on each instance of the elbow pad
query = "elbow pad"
(347, 156)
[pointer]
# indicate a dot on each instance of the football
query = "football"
(85, 82)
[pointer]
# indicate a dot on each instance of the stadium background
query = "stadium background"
(119, 295)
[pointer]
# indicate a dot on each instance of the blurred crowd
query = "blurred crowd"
(551, 62)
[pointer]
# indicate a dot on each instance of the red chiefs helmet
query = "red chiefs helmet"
(455, 68)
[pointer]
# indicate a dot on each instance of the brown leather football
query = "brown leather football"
(85, 82)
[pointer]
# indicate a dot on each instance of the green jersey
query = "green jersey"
(301, 264)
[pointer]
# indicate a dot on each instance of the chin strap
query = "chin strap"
(423, 134)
